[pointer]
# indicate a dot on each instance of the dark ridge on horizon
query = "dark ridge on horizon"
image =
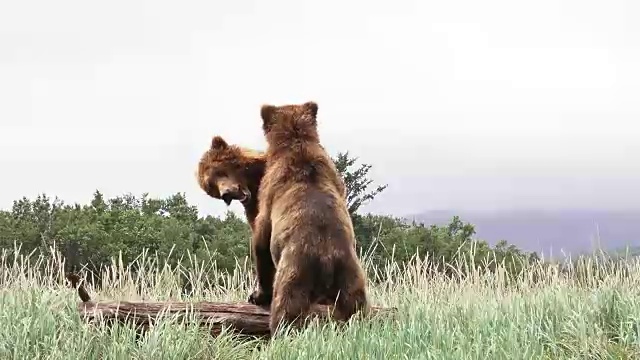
(553, 233)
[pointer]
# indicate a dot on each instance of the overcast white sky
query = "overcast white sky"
(457, 104)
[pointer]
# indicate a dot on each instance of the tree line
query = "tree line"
(90, 236)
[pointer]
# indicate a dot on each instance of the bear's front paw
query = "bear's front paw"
(260, 298)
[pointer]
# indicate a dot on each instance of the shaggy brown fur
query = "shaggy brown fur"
(76, 282)
(230, 172)
(303, 225)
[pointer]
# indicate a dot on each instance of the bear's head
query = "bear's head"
(289, 122)
(229, 172)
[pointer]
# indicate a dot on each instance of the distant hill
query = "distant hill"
(574, 231)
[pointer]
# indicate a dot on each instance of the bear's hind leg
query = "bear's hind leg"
(352, 295)
(291, 302)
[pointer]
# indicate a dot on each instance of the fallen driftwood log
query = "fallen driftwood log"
(243, 318)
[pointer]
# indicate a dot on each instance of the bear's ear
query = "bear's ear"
(311, 107)
(266, 112)
(218, 143)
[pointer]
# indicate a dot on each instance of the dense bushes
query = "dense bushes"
(91, 235)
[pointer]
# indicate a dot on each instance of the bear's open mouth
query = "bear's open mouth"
(244, 197)
(227, 198)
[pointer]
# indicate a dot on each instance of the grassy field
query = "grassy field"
(481, 316)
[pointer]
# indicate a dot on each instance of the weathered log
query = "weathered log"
(243, 318)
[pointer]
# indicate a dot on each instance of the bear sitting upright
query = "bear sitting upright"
(230, 172)
(303, 224)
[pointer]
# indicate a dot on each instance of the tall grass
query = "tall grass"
(592, 311)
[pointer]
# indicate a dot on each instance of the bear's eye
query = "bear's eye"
(219, 173)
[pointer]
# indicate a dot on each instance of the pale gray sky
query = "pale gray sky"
(457, 104)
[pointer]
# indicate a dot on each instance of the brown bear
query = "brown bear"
(230, 172)
(76, 282)
(303, 225)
